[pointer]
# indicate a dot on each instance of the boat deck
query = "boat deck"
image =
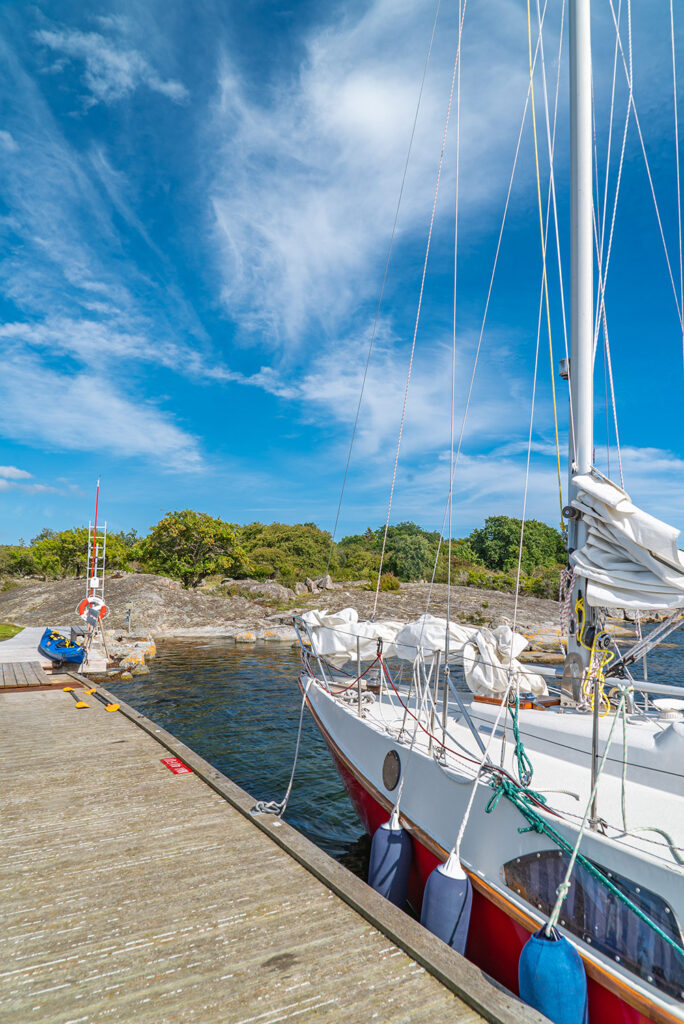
(133, 894)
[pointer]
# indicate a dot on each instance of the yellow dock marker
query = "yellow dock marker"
(79, 703)
(102, 700)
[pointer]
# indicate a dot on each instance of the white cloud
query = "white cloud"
(93, 341)
(81, 295)
(111, 71)
(307, 176)
(493, 484)
(84, 412)
(327, 392)
(116, 186)
(12, 473)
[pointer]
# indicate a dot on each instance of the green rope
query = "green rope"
(522, 800)
(525, 769)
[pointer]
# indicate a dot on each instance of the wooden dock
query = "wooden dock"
(130, 894)
(23, 648)
(22, 674)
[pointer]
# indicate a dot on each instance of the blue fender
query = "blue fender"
(552, 978)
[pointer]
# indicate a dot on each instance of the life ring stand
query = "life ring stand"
(92, 604)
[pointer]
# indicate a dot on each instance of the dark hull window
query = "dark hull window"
(598, 917)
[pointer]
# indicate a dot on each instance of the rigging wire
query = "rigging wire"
(478, 347)
(511, 677)
(601, 214)
(543, 251)
(678, 306)
(384, 281)
(420, 303)
(551, 142)
(453, 351)
(602, 259)
(679, 190)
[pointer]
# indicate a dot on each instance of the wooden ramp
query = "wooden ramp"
(130, 894)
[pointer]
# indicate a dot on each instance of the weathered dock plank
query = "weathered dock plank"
(24, 675)
(9, 677)
(130, 894)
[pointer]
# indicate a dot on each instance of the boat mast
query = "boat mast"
(582, 283)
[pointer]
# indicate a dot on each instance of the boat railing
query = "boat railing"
(309, 647)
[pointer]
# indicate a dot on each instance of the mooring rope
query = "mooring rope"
(274, 806)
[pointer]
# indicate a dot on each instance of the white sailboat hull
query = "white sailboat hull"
(497, 844)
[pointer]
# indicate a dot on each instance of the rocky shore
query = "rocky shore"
(249, 609)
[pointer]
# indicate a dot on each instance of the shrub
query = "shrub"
(388, 581)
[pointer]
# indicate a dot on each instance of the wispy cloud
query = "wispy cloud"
(85, 412)
(111, 71)
(93, 341)
(8, 142)
(67, 272)
(12, 478)
(307, 176)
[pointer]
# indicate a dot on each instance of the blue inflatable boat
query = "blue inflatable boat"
(57, 647)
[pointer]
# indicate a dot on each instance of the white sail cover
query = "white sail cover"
(337, 636)
(489, 656)
(490, 664)
(629, 559)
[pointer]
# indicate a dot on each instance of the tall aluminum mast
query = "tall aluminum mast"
(581, 274)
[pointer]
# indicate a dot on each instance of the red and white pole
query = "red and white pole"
(92, 573)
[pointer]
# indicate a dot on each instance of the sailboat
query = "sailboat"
(559, 797)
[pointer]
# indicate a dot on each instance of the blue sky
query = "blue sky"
(196, 206)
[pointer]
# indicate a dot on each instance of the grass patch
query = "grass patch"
(8, 630)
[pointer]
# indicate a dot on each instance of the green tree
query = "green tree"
(190, 545)
(410, 556)
(357, 562)
(410, 551)
(16, 560)
(285, 552)
(497, 543)
(65, 553)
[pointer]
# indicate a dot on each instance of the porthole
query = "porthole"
(391, 770)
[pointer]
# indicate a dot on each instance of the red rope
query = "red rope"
(464, 757)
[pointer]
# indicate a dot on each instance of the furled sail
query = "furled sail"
(629, 559)
(489, 656)
(339, 636)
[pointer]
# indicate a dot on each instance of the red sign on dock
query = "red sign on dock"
(175, 765)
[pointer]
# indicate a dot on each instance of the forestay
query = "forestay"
(629, 559)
